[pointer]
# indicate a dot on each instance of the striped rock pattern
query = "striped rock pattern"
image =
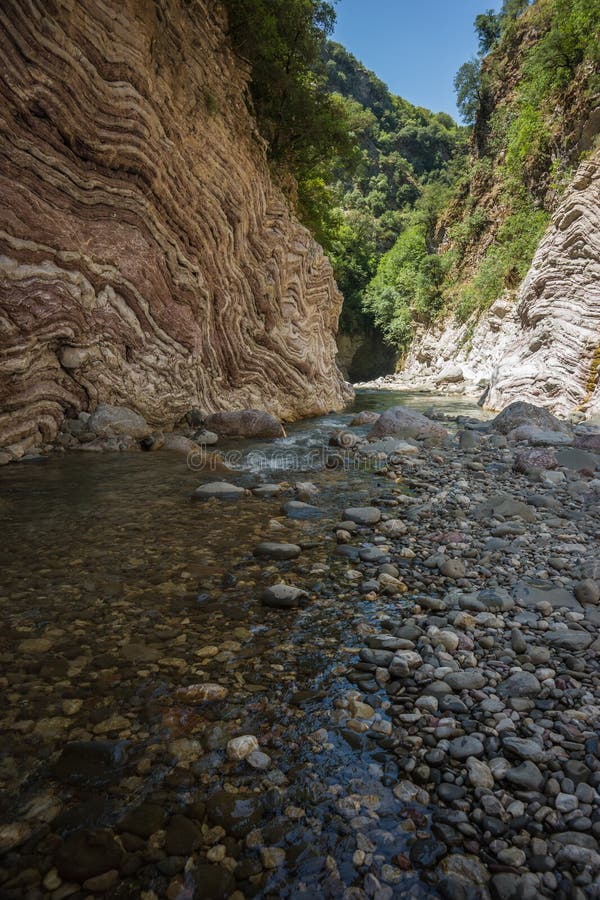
(146, 259)
(546, 348)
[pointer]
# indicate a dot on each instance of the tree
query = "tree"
(304, 124)
(512, 9)
(468, 87)
(488, 26)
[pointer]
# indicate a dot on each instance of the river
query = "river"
(118, 591)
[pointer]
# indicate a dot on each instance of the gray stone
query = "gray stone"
(114, 420)
(480, 774)
(273, 550)
(506, 506)
(566, 803)
(578, 460)
(284, 596)
(450, 375)
(366, 417)
(588, 591)
(179, 443)
(389, 446)
(511, 886)
(402, 422)
(377, 657)
(496, 599)
(203, 436)
(218, 490)
(244, 423)
(467, 440)
(469, 680)
(517, 641)
(462, 747)
(529, 595)
(522, 413)
(540, 437)
(524, 748)
(527, 776)
(453, 568)
(520, 684)
(568, 640)
(363, 515)
(296, 509)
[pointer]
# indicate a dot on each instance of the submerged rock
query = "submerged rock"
(296, 509)
(366, 417)
(273, 550)
(236, 814)
(218, 490)
(85, 854)
(284, 596)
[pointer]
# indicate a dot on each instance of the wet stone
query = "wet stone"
(85, 854)
(297, 509)
(284, 596)
(363, 515)
(182, 837)
(214, 881)
(426, 853)
(89, 760)
(236, 814)
(462, 747)
(218, 490)
(143, 821)
(273, 550)
(520, 684)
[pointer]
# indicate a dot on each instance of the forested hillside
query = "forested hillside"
(408, 159)
(530, 98)
(420, 217)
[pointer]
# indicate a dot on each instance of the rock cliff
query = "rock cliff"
(544, 348)
(146, 258)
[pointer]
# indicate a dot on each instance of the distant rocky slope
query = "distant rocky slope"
(546, 348)
(146, 258)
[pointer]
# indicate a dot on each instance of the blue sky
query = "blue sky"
(415, 46)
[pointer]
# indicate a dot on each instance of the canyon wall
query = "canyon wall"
(146, 259)
(544, 348)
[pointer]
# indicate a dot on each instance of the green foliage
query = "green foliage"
(308, 129)
(405, 152)
(380, 182)
(408, 285)
(506, 261)
(571, 39)
(469, 88)
(488, 26)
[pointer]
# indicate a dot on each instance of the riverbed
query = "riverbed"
(119, 592)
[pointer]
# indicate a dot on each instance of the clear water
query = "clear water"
(105, 558)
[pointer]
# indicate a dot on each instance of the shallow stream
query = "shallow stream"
(117, 590)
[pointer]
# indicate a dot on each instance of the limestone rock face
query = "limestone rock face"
(146, 259)
(546, 348)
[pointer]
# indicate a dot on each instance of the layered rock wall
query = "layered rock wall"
(546, 347)
(146, 259)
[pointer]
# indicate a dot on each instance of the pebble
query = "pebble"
(242, 746)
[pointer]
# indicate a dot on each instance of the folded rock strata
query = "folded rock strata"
(146, 259)
(546, 348)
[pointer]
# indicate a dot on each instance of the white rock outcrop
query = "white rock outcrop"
(545, 348)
